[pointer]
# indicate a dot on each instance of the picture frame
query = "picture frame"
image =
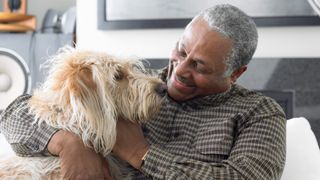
(145, 15)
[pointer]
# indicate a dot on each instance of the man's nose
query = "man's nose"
(182, 68)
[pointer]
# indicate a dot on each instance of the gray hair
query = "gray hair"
(234, 24)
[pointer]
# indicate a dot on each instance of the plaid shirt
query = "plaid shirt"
(238, 134)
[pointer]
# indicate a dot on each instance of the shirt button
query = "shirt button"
(145, 130)
(184, 107)
(176, 134)
(153, 169)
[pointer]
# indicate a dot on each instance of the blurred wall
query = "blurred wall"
(300, 41)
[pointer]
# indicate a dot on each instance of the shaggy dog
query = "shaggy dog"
(85, 93)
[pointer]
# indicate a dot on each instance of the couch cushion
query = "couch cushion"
(5, 149)
(303, 154)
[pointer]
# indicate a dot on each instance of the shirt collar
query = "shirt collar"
(209, 100)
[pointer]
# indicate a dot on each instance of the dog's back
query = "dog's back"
(33, 168)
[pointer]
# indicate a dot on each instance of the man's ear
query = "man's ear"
(237, 73)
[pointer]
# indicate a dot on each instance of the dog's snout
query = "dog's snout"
(161, 89)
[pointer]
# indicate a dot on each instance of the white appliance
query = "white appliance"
(21, 52)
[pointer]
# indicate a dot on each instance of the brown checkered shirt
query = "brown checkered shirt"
(238, 134)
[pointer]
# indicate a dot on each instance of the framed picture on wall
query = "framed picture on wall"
(137, 14)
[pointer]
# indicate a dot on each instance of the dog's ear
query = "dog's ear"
(73, 80)
(80, 83)
(92, 105)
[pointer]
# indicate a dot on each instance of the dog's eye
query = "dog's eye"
(118, 76)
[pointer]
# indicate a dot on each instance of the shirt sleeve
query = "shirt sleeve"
(258, 152)
(26, 137)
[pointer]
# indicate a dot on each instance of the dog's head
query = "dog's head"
(86, 92)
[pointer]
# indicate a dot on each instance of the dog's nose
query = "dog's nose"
(161, 89)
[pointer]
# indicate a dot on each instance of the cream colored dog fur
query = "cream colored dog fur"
(85, 93)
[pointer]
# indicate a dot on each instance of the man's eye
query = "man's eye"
(183, 54)
(195, 64)
(201, 70)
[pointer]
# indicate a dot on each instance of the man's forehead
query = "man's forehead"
(194, 39)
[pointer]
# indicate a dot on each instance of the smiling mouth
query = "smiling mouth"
(179, 84)
(181, 81)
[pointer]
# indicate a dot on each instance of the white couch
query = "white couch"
(5, 148)
(303, 154)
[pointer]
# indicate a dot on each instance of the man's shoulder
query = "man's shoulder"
(242, 93)
(254, 99)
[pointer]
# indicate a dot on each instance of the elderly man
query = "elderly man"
(208, 128)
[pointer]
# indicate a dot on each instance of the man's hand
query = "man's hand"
(130, 145)
(77, 161)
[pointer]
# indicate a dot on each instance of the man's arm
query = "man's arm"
(26, 137)
(77, 161)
